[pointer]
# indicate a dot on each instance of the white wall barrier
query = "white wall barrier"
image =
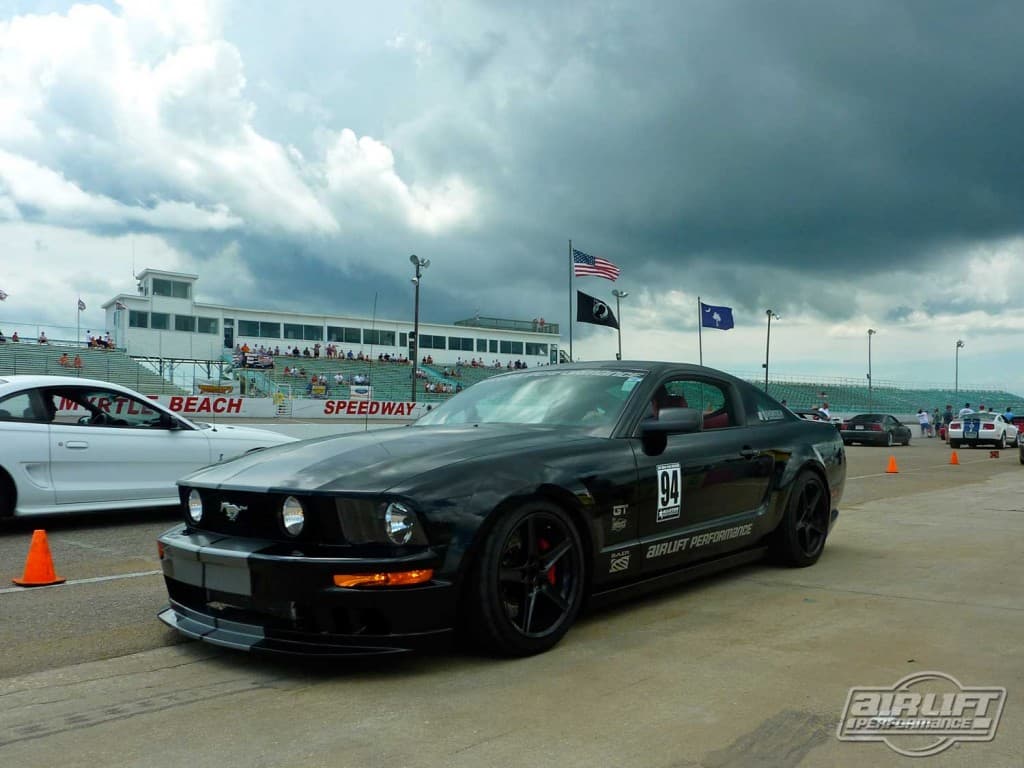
(265, 408)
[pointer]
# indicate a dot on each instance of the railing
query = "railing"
(496, 323)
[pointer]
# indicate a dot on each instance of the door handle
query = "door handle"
(749, 453)
(76, 444)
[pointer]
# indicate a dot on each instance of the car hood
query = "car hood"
(372, 462)
(251, 434)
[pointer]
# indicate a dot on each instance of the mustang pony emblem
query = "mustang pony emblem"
(231, 511)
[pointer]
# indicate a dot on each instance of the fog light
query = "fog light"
(393, 579)
(195, 506)
(293, 517)
(399, 523)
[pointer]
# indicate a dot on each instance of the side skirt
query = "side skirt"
(672, 578)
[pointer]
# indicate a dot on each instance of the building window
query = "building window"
(481, 345)
(160, 321)
(505, 347)
(492, 346)
(403, 339)
(432, 342)
(292, 331)
(347, 335)
(457, 342)
(229, 322)
(256, 329)
(185, 323)
(313, 332)
(206, 324)
(536, 349)
(379, 338)
(138, 319)
(174, 289)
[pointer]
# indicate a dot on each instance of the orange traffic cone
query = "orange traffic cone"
(993, 454)
(893, 469)
(954, 459)
(39, 565)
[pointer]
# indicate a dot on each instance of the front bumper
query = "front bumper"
(247, 594)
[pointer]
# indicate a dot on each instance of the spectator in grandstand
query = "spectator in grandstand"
(14, 337)
(109, 340)
(316, 350)
(78, 364)
(3, 339)
(824, 411)
(245, 348)
(64, 362)
(966, 410)
(339, 379)
(42, 338)
(458, 387)
(924, 421)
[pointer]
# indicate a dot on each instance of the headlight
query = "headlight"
(195, 506)
(399, 523)
(293, 516)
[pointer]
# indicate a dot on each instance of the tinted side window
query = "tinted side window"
(23, 406)
(710, 398)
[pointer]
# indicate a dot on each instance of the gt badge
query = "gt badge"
(619, 562)
(231, 511)
(669, 480)
(619, 519)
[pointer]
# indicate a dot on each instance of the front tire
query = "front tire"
(800, 537)
(527, 585)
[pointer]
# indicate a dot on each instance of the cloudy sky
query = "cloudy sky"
(849, 165)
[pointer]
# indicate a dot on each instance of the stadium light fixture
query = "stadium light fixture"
(871, 407)
(768, 344)
(619, 295)
(414, 346)
(956, 365)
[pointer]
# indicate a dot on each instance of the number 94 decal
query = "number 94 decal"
(669, 500)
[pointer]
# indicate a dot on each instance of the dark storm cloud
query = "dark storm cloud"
(835, 139)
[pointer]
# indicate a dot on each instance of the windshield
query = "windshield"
(591, 398)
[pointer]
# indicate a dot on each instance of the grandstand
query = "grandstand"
(106, 364)
(850, 396)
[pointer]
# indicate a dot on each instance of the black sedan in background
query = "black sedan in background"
(874, 429)
(500, 514)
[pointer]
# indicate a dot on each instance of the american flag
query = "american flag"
(81, 306)
(583, 265)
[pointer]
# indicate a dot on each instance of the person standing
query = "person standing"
(966, 410)
(922, 419)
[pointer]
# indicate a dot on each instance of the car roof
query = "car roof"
(23, 380)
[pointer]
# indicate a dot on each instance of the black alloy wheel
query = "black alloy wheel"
(529, 581)
(800, 537)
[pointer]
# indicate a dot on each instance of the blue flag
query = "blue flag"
(715, 317)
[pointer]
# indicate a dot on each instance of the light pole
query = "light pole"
(871, 406)
(956, 366)
(768, 344)
(619, 295)
(420, 265)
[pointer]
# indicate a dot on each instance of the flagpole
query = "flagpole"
(700, 340)
(78, 336)
(570, 301)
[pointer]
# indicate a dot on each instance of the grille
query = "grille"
(257, 516)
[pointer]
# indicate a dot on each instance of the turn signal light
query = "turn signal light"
(392, 579)
(160, 549)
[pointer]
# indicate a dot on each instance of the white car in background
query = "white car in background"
(987, 428)
(72, 444)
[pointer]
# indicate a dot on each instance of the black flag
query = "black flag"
(592, 310)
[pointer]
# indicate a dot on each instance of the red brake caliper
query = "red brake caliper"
(543, 546)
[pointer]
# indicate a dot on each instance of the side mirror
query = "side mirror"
(672, 421)
(169, 422)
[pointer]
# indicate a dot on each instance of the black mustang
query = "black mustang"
(500, 513)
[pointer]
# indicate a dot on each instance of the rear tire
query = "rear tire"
(888, 439)
(1001, 445)
(527, 585)
(800, 538)
(8, 495)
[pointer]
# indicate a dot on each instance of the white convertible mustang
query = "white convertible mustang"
(71, 445)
